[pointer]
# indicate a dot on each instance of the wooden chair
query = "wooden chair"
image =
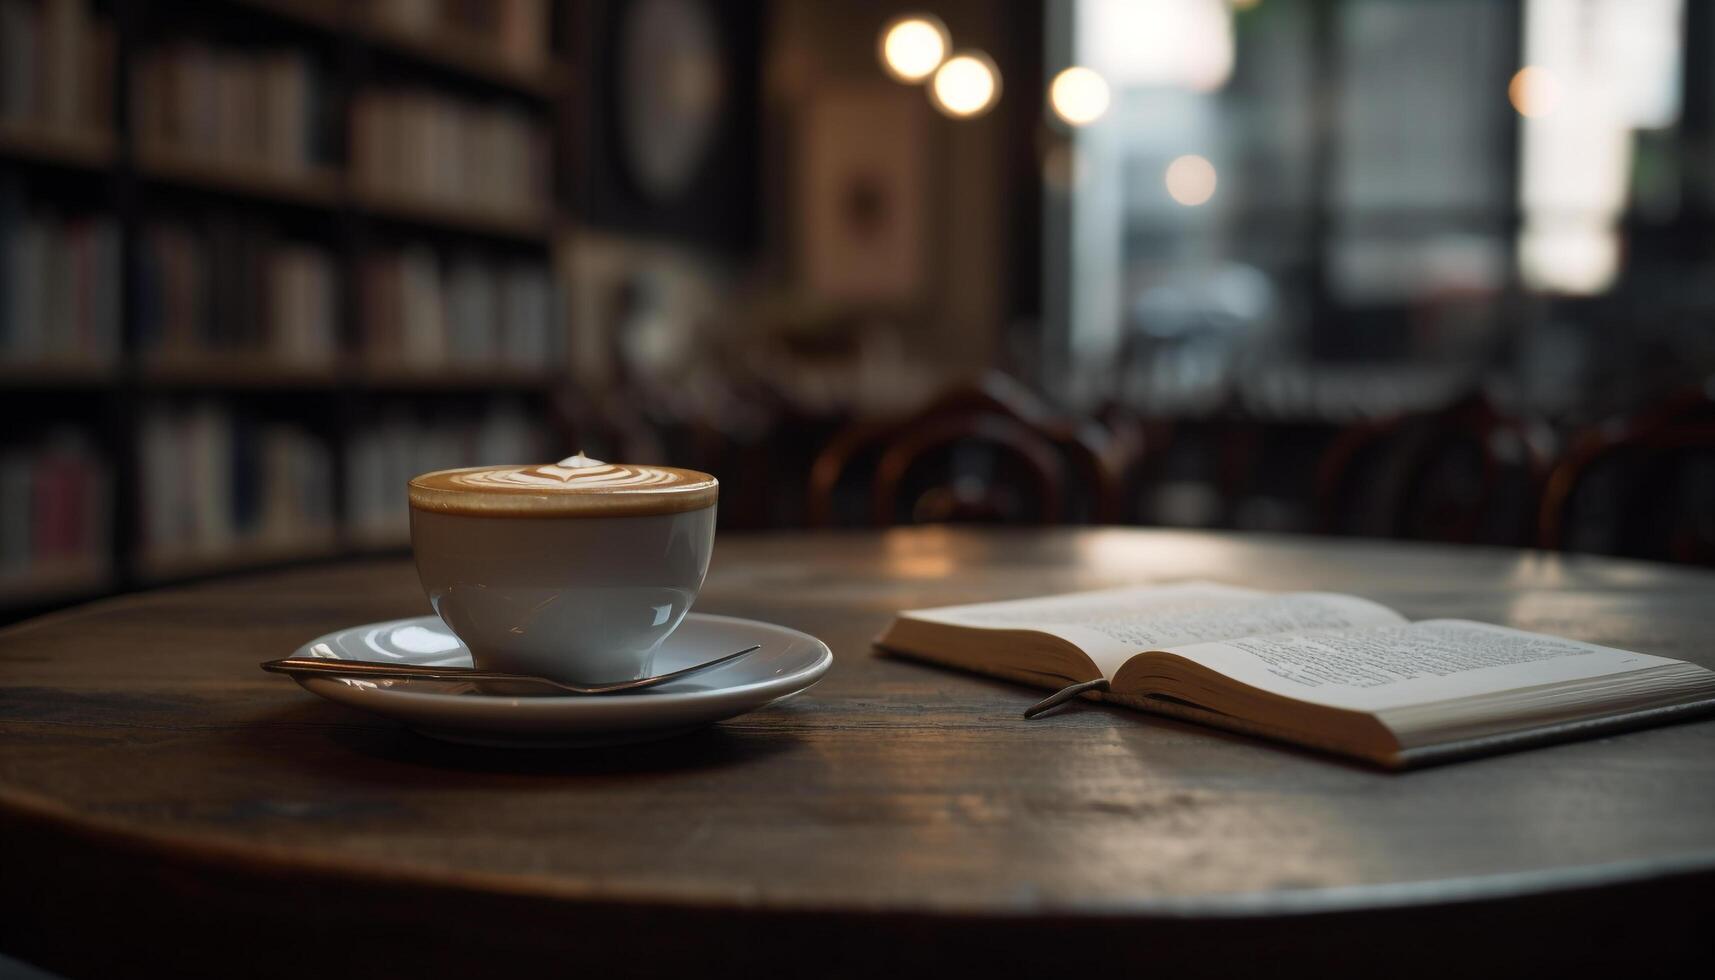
(988, 451)
(1189, 472)
(1466, 473)
(1643, 487)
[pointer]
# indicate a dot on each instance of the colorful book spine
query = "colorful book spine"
(59, 285)
(55, 506)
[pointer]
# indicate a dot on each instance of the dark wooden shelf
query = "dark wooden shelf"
(55, 580)
(320, 188)
(438, 48)
(322, 15)
(261, 370)
(415, 209)
(445, 49)
(82, 149)
(327, 188)
(239, 370)
(391, 378)
(57, 374)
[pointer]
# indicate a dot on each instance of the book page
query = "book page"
(1113, 625)
(1382, 667)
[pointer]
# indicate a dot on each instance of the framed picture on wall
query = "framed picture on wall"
(862, 183)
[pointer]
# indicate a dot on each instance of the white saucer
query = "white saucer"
(788, 663)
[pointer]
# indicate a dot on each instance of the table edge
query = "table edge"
(84, 830)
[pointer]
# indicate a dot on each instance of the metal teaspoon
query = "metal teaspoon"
(371, 668)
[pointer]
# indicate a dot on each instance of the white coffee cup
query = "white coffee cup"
(575, 570)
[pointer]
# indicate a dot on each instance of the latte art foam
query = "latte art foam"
(573, 486)
(556, 478)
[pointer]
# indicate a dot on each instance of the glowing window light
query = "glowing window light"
(966, 86)
(913, 46)
(1616, 68)
(1190, 180)
(1186, 44)
(1535, 91)
(1079, 96)
(1578, 258)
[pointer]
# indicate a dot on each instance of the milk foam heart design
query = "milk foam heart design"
(572, 486)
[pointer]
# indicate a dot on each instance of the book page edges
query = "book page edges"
(1624, 721)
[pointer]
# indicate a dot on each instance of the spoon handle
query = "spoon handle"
(372, 668)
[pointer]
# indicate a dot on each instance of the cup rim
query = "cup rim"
(698, 491)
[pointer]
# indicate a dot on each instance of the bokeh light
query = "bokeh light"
(1190, 180)
(1535, 91)
(913, 46)
(967, 85)
(1079, 96)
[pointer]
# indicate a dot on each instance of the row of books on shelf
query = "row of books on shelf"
(381, 460)
(516, 30)
(216, 486)
(59, 285)
(55, 507)
(235, 287)
(424, 309)
(272, 110)
(230, 285)
(56, 66)
(268, 109)
(214, 481)
(418, 145)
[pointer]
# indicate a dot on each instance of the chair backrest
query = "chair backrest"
(1465, 473)
(1643, 487)
(985, 451)
(967, 496)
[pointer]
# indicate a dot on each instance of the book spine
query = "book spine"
(19, 32)
(433, 147)
(239, 107)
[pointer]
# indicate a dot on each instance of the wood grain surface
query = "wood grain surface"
(165, 803)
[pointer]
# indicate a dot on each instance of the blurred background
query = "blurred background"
(1428, 269)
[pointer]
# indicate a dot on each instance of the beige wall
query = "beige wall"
(814, 46)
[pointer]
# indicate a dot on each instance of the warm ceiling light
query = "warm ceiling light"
(1079, 96)
(1191, 180)
(1534, 91)
(913, 46)
(967, 85)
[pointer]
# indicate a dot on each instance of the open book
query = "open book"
(1333, 672)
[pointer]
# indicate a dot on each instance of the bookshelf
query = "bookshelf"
(367, 412)
(442, 49)
(84, 149)
(319, 188)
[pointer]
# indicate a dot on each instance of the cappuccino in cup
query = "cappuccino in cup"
(575, 570)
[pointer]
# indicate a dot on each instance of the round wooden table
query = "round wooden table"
(163, 802)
